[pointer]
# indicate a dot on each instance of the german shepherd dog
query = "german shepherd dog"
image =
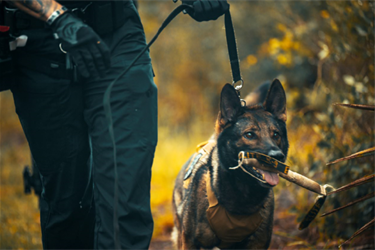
(215, 206)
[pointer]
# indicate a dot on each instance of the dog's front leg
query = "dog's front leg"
(189, 245)
(185, 242)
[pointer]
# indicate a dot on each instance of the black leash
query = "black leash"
(233, 55)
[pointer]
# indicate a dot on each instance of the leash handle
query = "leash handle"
(313, 212)
(233, 52)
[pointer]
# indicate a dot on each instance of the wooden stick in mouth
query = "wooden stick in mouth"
(291, 176)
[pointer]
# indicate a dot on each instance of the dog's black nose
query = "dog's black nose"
(277, 154)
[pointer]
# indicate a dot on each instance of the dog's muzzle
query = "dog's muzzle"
(264, 174)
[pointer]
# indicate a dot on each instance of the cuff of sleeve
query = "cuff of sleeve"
(56, 14)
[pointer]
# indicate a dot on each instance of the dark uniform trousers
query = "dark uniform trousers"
(67, 131)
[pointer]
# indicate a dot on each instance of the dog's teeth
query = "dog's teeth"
(254, 168)
(263, 176)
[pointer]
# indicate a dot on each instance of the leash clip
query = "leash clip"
(238, 84)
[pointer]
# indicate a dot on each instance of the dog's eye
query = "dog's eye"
(275, 135)
(250, 135)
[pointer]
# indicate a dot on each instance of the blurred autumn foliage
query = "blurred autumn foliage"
(322, 51)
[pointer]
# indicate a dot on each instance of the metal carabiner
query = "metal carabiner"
(237, 86)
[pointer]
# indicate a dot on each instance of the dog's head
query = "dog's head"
(256, 128)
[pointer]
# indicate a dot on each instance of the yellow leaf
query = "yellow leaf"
(334, 26)
(284, 59)
(251, 60)
(296, 45)
(281, 27)
(348, 79)
(324, 14)
(371, 67)
(286, 44)
(324, 52)
(274, 46)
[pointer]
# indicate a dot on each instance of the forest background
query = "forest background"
(323, 53)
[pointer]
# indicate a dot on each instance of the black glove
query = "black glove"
(206, 10)
(89, 52)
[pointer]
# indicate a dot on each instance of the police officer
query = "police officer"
(74, 50)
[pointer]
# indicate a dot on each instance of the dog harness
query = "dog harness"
(200, 158)
(229, 228)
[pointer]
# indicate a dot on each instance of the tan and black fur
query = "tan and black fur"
(258, 127)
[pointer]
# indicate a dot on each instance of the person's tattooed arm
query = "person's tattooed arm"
(41, 9)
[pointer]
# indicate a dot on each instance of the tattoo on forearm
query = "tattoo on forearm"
(41, 9)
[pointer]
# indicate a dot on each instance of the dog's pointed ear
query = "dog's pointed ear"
(230, 104)
(275, 102)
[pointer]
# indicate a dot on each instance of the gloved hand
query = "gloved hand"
(206, 10)
(89, 52)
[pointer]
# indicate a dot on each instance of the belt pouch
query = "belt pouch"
(9, 19)
(6, 62)
(101, 17)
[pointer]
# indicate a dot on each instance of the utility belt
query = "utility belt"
(103, 16)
